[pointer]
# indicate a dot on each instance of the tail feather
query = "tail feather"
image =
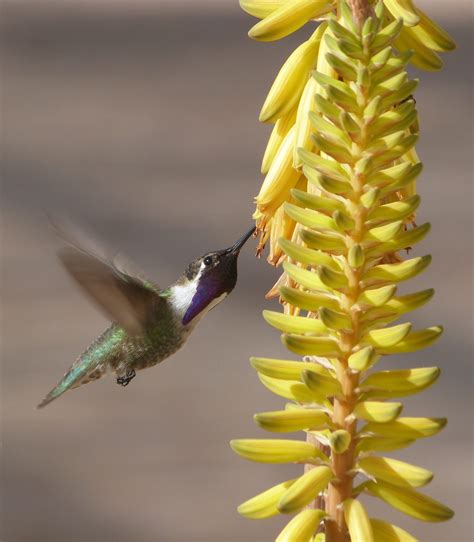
(52, 395)
(75, 377)
(105, 352)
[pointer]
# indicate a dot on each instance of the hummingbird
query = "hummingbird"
(149, 324)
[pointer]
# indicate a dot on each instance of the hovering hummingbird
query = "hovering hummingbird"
(149, 324)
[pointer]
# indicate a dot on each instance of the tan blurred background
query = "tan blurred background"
(138, 119)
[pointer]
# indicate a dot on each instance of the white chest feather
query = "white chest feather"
(182, 296)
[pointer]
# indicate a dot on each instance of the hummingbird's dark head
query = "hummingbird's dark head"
(212, 277)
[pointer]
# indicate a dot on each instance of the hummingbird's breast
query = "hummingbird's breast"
(164, 336)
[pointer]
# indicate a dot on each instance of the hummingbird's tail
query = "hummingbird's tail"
(75, 377)
(90, 366)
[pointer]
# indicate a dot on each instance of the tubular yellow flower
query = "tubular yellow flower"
(280, 130)
(410, 502)
(301, 527)
(376, 411)
(358, 523)
(307, 102)
(305, 489)
(403, 9)
(395, 472)
(338, 204)
(275, 451)
(264, 505)
(289, 17)
(280, 179)
(432, 35)
(423, 57)
(385, 532)
(282, 225)
(290, 81)
(261, 8)
(411, 428)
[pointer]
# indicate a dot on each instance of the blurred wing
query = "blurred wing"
(117, 287)
(124, 299)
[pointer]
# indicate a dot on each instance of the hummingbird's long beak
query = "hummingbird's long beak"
(235, 248)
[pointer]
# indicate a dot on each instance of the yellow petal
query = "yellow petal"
(294, 324)
(326, 167)
(395, 472)
(317, 203)
(423, 57)
(306, 255)
(410, 428)
(308, 301)
(291, 389)
(384, 233)
(403, 9)
(282, 126)
(310, 218)
(410, 502)
(363, 359)
(302, 527)
(288, 18)
(357, 521)
(382, 444)
(305, 277)
(280, 179)
(264, 505)
(275, 450)
(311, 346)
(284, 369)
(375, 411)
(432, 35)
(404, 240)
(286, 421)
(387, 337)
(282, 226)
(385, 532)
(377, 296)
(397, 210)
(334, 320)
(261, 8)
(326, 240)
(388, 384)
(416, 340)
(305, 489)
(307, 102)
(321, 383)
(288, 86)
(409, 302)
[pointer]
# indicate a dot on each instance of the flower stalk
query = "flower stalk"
(360, 11)
(338, 208)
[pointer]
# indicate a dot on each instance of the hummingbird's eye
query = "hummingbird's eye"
(207, 261)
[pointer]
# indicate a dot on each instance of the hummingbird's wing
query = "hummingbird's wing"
(119, 289)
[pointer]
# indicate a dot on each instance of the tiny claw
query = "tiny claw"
(125, 380)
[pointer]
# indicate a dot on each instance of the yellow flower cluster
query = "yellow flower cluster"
(338, 204)
(293, 94)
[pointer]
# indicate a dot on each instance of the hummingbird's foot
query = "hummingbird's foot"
(125, 380)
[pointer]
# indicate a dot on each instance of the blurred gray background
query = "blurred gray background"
(139, 121)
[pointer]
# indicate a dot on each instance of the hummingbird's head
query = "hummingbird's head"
(209, 279)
